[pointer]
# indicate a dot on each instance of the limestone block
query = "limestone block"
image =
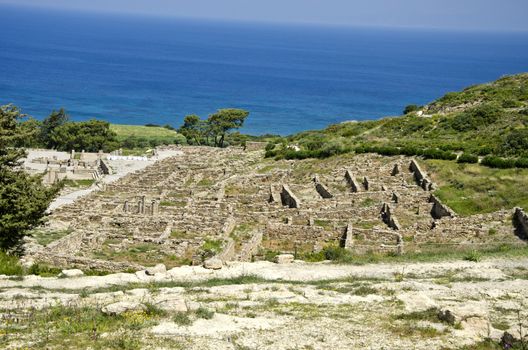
(71, 273)
(284, 258)
(122, 307)
(159, 268)
(213, 264)
(458, 313)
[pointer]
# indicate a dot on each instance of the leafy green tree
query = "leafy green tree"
(49, 124)
(192, 128)
(91, 136)
(23, 198)
(516, 143)
(224, 121)
(411, 108)
(31, 129)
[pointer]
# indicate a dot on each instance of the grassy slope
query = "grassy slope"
(478, 120)
(453, 122)
(471, 189)
(147, 132)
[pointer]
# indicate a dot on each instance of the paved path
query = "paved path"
(120, 168)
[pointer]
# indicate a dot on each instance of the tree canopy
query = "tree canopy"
(23, 198)
(49, 124)
(214, 128)
(91, 136)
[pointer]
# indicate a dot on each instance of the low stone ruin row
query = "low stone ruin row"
(232, 204)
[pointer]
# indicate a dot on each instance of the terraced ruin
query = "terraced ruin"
(233, 205)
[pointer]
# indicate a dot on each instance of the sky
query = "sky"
(504, 15)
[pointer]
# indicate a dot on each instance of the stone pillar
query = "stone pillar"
(154, 207)
(72, 154)
(125, 207)
(396, 170)
(366, 183)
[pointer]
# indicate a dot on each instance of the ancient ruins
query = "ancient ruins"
(231, 204)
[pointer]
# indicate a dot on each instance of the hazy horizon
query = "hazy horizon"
(471, 15)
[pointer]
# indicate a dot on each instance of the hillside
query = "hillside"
(133, 136)
(481, 120)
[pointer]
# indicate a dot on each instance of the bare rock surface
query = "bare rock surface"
(279, 306)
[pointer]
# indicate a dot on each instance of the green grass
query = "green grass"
(471, 189)
(10, 265)
(343, 256)
(79, 328)
(148, 132)
(46, 237)
(78, 183)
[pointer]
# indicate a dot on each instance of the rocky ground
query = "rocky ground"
(447, 305)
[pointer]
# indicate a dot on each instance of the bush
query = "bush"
(204, 313)
(522, 163)
(467, 158)
(410, 108)
(474, 256)
(497, 162)
(516, 142)
(270, 146)
(10, 265)
(477, 117)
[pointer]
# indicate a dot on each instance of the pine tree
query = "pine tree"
(23, 198)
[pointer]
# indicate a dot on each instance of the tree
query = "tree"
(31, 129)
(23, 198)
(192, 128)
(225, 120)
(91, 136)
(411, 108)
(49, 124)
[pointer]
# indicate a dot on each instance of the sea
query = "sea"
(130, 69)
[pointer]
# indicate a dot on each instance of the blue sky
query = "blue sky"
(445, 14)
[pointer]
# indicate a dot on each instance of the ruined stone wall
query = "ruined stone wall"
(349, 177)
(363, 240)
(440, 210)
(251, 247)
(388, 217)
(70, 261)
(419, 174)
(521, 220)
(288, 198)
(255, 146)
(323, 191)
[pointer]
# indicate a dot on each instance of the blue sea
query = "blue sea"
(138, 70)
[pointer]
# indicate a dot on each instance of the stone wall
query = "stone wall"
(419, 174)
(440, 210)
(255, 146)
(69, 261)
(521, 221)
(388, 217)
(323, 191)
(288, 198)
(351, 181)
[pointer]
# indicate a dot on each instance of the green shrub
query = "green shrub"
(410, 108)
(10, 265)
(497, 162)
(521, 163)
(474, 256)
(43, 270)
(204, 313)
(270, 146)
(182, 319)
(476, 117)
(467, 158)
